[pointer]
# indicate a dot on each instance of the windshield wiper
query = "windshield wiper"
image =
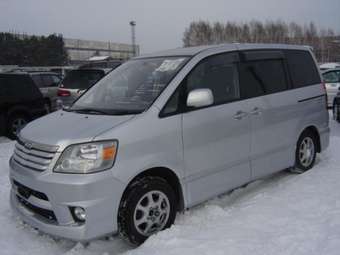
(125, 112)
(89, 111)
(108, 112)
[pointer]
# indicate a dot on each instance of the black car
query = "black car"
(20, 102)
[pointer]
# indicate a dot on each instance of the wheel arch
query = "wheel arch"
(167, 174)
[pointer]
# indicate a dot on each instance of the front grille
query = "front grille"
(26, 192)
(32, 155)
(44, 213)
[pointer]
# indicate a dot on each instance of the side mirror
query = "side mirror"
(200, 98)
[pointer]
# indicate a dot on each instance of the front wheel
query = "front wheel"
(305, 154)
(148, 207)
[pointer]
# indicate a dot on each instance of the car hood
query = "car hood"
(63, 128)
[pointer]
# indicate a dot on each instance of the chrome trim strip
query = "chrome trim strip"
(33, 152)
(38, 146)
(27, 164)
(32, 159)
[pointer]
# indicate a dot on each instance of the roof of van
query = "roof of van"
(191, 51)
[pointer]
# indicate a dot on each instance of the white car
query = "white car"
(327, 66)
(332, 81)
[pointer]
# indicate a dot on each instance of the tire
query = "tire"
(15, 123)
(305, 154)
(137, 224)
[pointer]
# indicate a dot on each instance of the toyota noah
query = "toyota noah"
(167, 131)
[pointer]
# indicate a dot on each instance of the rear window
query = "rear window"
(302, 68)
(37, 80)
(82, 79)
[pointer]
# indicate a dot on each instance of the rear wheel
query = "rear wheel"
(305, 154)
(15, 124)
(148, 207)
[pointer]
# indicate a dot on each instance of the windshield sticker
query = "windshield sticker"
(169, 65)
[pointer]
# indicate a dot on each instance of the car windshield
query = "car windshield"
(131, 88)
(81, 79)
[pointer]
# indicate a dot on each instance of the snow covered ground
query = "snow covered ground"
(284, 214)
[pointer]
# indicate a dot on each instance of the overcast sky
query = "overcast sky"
(160, 24)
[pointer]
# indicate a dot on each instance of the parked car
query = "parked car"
(327, 66)
(62, 70)
(165, 132)
(48, 83)
(76, 82)
(20, 102)
(332, 82)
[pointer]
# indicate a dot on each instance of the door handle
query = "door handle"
(256, 111)
(240, 115)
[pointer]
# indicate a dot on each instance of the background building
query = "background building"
(79, 51)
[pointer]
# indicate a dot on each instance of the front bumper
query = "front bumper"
(99, 194)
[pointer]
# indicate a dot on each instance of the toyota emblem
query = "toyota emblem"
(29, 145)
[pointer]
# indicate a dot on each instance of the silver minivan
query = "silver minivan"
(167, 131)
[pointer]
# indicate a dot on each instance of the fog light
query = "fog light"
(79, 214)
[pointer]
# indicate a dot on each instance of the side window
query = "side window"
(331, 77)
(302, 68)
(21, 87)
(262, 77)
(218, 73)
(172, 105)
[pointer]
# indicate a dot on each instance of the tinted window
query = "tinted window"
(18, 87)
(82, 79)
(47, 80)
(302, 68)
(38, 80)
(218, 73)
(331, 77)
(262, 77)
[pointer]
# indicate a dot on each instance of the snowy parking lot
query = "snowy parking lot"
(283, 214)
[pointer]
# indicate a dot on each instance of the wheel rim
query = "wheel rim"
(306, 152)
(17, 125)
(151, 213)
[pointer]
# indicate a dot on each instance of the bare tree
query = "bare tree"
(321, 40)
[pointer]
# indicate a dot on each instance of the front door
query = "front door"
(216, 138)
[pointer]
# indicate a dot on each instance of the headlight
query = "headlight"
(87, 158)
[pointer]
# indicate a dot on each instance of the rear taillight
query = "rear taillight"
(63, 93)
(325, 91)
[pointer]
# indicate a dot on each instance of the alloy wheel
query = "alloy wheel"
(307, 152)
(151, 213)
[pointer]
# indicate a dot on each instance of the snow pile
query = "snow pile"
(284, 214)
